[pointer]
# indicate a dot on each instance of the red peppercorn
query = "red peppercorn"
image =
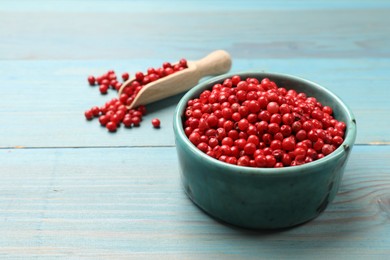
(103, 89)
(249, 148)
(156, 123)
(136, 120)
(328, 110)
(261, 160)
(240, 143)
(267, 138)
(127, 121)
(337, 140)
(139, 76)
(194, 138)
(117, 86)
(312, 153)
(270, 161)
(95, 111)
(264, 116)
(285, 130)
(105, 81)
(125, 76)
(340, 126)
(276, 144)
(317, 145)
(115, 119)
(273, 107)
(168, 71)
(203, 147)
(104, 120)
(253, 139)
(287, 119)
(88, 114)
(327, 149)
(243, 124)
(235, 80)
(111, 126)
(288, 143)
(243, 161)
(231, 160)
(91, 80)
(276, 118)
(301, 135)
(273, 128)
(183, 63)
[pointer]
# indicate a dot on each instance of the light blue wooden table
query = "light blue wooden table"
(69, 189)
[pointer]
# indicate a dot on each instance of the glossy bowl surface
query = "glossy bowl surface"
(263, 198)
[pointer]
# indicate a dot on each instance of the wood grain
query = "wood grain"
(53, 203)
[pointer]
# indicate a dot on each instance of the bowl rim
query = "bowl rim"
(298, 169)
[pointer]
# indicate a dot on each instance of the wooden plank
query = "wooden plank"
(118, 203)
(45, 100)
(181, 31)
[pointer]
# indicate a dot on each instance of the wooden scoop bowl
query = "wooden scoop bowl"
(217, 62)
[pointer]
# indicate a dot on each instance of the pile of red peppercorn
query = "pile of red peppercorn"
(258, 124)
(115, 111)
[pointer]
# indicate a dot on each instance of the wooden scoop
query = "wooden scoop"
(217, 62)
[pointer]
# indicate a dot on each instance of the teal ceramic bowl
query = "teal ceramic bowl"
(263, 198)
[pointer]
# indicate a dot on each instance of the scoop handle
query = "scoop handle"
(217, 62)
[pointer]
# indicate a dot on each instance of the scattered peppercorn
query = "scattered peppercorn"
(88, 114)
(156, 123)
(114, 112)
(125, 76)
(111, 126)
(91, 80)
